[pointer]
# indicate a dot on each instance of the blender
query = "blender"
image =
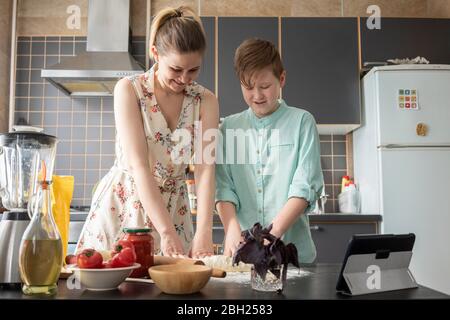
(21, 158)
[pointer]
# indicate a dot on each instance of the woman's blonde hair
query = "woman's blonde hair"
(252, 56)
(177, 29)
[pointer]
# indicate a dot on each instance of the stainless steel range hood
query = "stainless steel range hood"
(107, 58)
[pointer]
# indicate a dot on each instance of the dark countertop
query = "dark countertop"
(320, 284)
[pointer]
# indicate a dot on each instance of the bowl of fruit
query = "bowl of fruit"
(103, 270)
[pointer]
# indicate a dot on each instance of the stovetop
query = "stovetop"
(80, 208)
(79, 213)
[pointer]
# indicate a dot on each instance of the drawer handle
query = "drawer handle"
(315, 228)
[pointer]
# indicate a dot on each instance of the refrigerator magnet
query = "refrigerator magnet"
(421, 129)
(408, 99)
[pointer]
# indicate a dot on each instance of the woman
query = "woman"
(153, 111)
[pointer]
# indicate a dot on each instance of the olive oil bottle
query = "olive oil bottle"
(40, 257)
(40, 263)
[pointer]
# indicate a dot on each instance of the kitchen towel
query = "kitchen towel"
(62, 192)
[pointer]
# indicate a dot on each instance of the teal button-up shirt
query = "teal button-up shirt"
(262, 162)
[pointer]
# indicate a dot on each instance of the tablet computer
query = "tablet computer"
(379, 244)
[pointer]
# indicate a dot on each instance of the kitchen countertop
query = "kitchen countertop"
(318, 285)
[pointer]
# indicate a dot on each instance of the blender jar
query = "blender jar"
(21, 154)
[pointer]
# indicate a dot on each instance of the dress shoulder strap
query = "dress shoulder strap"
(137, 88)
(197, 93)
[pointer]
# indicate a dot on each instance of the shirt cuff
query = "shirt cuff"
(306, 192)
(228, 195)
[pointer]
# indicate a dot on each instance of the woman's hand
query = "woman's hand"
(232, 239)
(202, 245)
(171, 245)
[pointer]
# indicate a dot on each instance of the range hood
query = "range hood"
(107, 58)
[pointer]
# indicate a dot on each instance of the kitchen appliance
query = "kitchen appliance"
(20, 156)
(107, 58)
(402, 161)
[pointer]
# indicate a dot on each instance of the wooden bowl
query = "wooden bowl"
(180, 278)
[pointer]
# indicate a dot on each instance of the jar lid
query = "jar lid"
(136, 230)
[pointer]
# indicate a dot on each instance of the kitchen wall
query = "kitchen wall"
(85, 126)
(48, 17)
(5, 61)
(324, 8)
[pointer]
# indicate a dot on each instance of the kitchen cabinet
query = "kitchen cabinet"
(207, 74)
(406, 38)
(231, 32)
(320, 56)
(332, 237)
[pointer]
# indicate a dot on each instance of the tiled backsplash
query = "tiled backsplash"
(85, 126)
(334, 166)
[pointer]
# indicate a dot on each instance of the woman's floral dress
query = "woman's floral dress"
(115, 203)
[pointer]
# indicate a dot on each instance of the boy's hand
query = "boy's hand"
(232, 240)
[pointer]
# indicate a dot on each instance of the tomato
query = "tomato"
(71, 259)
(124, 258)
(107, 264)
(121, 244)
(89, 259)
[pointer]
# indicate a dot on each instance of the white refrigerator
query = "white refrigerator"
(402, 161)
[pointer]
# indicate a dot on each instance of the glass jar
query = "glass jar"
(270, 283)
(190, 183)
(143, 245)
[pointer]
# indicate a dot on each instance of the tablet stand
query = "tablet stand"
(378, 272)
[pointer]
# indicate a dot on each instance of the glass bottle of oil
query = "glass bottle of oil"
(40, 257)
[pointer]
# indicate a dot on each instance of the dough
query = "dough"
(225, 263)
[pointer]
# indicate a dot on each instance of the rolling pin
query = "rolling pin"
(158, 260)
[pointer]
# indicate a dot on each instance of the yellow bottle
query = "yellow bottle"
(345, 180)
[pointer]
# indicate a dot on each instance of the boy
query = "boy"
(285, 178)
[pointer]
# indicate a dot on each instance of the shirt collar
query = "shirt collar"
(267, 120)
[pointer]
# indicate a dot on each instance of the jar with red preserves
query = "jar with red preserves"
(143, 245)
